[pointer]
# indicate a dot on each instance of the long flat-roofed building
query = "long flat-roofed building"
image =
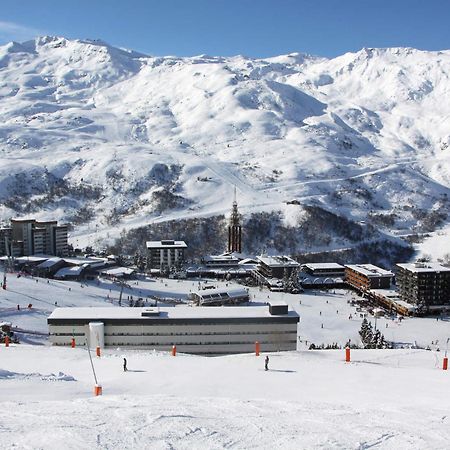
(324, 269)
(424, 285)
(197, 330)
(165, 254)
(367, 276)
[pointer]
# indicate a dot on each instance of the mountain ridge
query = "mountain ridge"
(146, 139)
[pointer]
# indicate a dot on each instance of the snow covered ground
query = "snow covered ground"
(395, 399)
(389, 399)
(314, 307)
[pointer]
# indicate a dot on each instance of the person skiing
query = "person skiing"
(266, 363)
(125, 364)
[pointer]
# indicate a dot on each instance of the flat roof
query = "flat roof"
(314, 266)
(230, 257)
(388, 293)
(176, 312)
(424, 267)
(118, 271)
(166, 244)
(370, 270)
(278, 261)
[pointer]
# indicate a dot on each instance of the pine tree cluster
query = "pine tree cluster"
(371, 338)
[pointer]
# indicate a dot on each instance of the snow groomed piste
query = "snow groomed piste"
(307, 399)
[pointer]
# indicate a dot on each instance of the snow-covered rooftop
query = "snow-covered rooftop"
(424, 267)
(329, 266)
(178, 312)
(166, 244)
(370, 270)
(50, 263)
(278, 261)
(118, 271)
(226, 292)
(69, 271)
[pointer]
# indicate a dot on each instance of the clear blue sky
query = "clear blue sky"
(256, 28)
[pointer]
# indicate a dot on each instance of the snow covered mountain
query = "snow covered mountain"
(111, 139)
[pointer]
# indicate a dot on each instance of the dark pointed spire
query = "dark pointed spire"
(235, 229)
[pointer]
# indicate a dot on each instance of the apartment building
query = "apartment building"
(165, 254)
(424, 285)
(28, 237)
(367, 276)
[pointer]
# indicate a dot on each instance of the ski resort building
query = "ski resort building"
(165, 254)
(324, 269)
(220, 296)
(223, 260)
(29, 237)
(425, 285)
(197, 330)
(367, 276)
(276, 266)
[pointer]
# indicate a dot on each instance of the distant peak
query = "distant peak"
(45, 40)
(295, 58)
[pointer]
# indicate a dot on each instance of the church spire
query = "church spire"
(235, 228)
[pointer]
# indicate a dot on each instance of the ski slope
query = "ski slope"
(383, 399)
(387, 399)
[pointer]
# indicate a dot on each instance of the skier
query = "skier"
(266, 363)
(125, 364)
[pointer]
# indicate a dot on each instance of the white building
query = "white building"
(165, 254)
(198, 330)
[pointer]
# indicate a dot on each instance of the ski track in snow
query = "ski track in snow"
(205, 423)
(383, 399)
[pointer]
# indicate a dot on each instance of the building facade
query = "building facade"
(220, 296)
(276, 266)
(324, 269)
(367, 276)
(424, 285)
(5, 241)
(165, 254)
(197, 330)
(30, 237)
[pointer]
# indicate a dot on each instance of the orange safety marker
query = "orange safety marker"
(257, 348)
(445, 364)
(97, 350)
(73, 343)
(97, 390)
(174, 350)
(6, 341)
(347, 354)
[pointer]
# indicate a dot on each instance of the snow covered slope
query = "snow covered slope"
(384, 399)
(111, 139)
